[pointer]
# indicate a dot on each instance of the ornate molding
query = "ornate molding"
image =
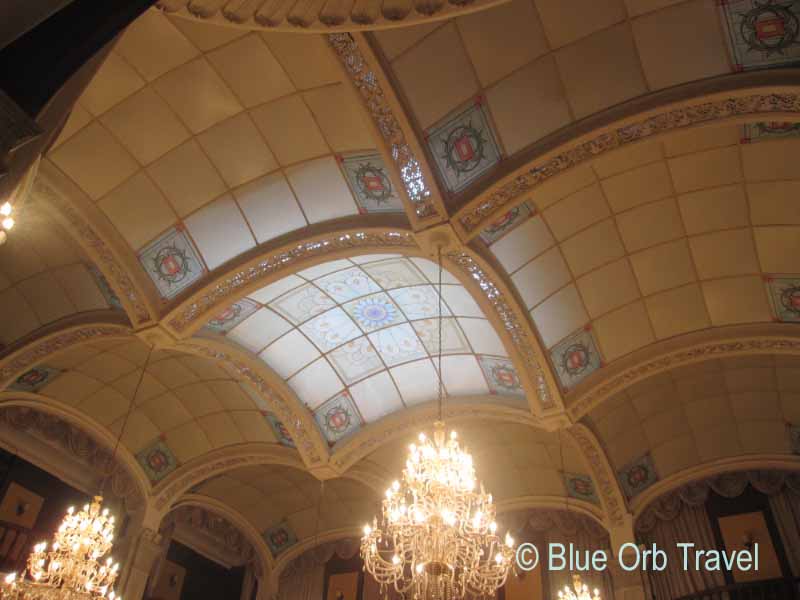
(17, 363)
(518, 186)
(292, 413)
(321, 17)
(610, 494)
(522, 338)
(214, 528)
(283, 261)
(216, 462)
(98, 249)
(417, 181)
(411, 420)
(83, 447)
(784, 340)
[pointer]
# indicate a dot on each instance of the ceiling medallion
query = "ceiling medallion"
(437, 537)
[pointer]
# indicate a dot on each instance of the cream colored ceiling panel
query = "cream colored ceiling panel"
(650, 224)
(259, 330)
(139, 430)
(138, 210)
(608, 287)
(290, 130)
(237, 150)
(78, 118)
(46, 297)
(253, 427)
(316, 383)
(251, 71)
(187, 442)
(12, 302)
(149, 59)
(770, 160)
(501, 40)
(290, 353)
(576, 212)
(115, 80)
(624, 330)
(736, 300)
(220, 231)
(581, 19)
(718, 441)
(559, 315)
(206, 36)
(270, 208)
(698, 139)
(681, 43)
(612, 76)
(377, 396)
(105, 405)
(482, 337)
(306, 58)
(95, 160)
(675, 455)
(342, 122)
(666, 425)
(638, 186)
(416, 381)
(321, 190)
(724, 253)
(626, 159)
(220, 429)
(678, 311)
(710, 168)
(778, 248)
(763, 437)
(663, 267)
(716, 208)
(774, 202)
(640, 7)
(524, 243)
(397, 40)
(80, 287)
(198, 94)
(541, 277)
(593, 247)
(187, 178)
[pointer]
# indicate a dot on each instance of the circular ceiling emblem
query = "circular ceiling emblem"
(373, 183)
(505, 377)
(338, 419)
(790, 299)
(581, 487)
(770, 27)
(464, 148)
(374, 312)
(575, 359)
(157, 460)
(227, 315)
(33, 377)
(171, 264)
(638, 475)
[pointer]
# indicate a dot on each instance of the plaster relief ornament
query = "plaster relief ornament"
(172, 262)
(637, 476)
(575, 358)
(371, 184)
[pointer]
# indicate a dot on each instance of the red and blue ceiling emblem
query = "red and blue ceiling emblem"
(280, 430)
(172, 262)
(370, 183)
(784, 295)
(637, 476)
(506, 223)
(756, 132)
(501, 376)
(464, 146)
(762, 33)
(279, 538)
(34, 379)
(575, 358)
(580, 487)
(157, 460)
(338, 417)
(233, 315)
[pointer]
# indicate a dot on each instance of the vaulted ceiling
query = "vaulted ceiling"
(614, 199)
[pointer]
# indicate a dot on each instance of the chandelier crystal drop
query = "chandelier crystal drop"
(581, 591)
(75, 567)
(437, 538)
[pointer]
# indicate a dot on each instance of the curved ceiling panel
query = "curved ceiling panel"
(45, 276)
(511, 460)
(357, 339)
(718, 409)
(186, 405)
(697, 231)
(199, 142)
(324, 17)
(289, 505)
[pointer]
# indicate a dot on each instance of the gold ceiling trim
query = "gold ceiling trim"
(524, 345)
(256, 273)
(217, 462)
(102, 440)
(516, 187)
(603, 475)
(380, 101)
(756, 462)
(292, 413)
(409, 421)
(96, 244)
(767, 338)
(322, 17)
(38, 351)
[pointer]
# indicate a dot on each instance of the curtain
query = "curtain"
(691, 524)
(785, 508)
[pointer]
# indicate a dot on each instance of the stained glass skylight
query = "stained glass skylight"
(358, 339)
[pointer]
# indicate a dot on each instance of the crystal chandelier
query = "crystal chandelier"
(73, 568)
(437, 536)
(76, 566)
(581, 591)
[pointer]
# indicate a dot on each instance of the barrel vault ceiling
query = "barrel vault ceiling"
(225, 193)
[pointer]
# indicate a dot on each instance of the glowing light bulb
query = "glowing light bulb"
(5, 210)
(11, 577)
(493, 527)
(395, 560)
(367, 530)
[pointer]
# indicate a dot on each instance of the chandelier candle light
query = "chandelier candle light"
(437, 537)
(76, 566)
(581, 591)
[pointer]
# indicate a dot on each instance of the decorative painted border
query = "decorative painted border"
(419, 190)
(670, 360)
(284, 259)
(39, 350)
(514, 326)
(602, 473)
(100, 252)
(473, 218)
